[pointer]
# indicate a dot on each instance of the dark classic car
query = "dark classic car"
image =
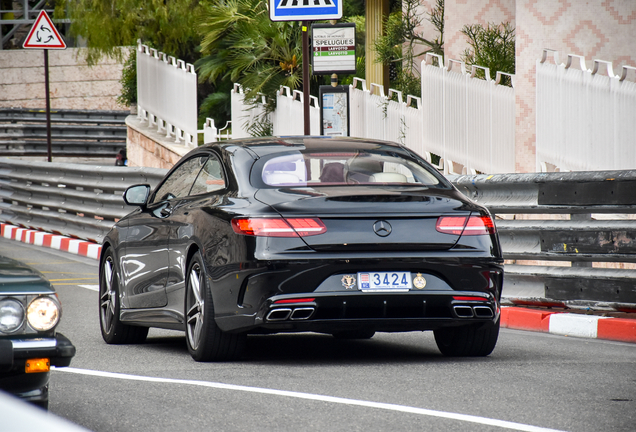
(332, 235)
(29, 345)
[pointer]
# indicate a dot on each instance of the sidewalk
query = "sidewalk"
(559, 322)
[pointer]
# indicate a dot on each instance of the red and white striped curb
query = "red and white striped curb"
(53, 241)
(569, 324)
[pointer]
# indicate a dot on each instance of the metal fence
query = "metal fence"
(376, 115)
(245, 115)
(557, 229)
(288, 119)
(586, 118)
(469, 122)
(167, 94)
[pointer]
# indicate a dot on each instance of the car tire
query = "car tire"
(474, 340)
(354, 334)
(113, 330)
(205, 340)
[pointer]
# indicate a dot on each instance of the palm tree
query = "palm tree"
(241, 44)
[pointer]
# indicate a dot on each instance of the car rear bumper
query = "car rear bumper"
(385, 312)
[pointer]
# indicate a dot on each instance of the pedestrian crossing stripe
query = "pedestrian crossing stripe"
(303, 4)
(305, 10)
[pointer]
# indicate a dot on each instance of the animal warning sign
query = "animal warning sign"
(44, 35)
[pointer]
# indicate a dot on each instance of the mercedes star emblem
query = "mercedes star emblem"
(382, 228)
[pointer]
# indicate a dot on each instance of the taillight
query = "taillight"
(473, 225)
(278, 227)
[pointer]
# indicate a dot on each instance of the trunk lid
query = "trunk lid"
(371, 218)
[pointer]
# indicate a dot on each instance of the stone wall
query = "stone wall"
(146, 147)
(73, 84)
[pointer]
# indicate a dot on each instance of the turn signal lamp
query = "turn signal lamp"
(36, 365)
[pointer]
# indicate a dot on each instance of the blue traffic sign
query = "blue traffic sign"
(305, 10)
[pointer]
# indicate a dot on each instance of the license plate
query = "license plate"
(384, 281)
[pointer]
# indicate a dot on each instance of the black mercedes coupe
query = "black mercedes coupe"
(333, 235)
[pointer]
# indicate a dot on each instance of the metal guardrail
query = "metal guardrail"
(584, 220)
(74, 133)
(84, 201)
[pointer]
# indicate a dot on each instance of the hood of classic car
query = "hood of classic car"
(18, 278)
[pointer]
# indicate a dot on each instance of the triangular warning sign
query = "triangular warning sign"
(43, 34)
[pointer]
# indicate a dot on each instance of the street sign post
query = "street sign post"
(305, 11)
(44, 35)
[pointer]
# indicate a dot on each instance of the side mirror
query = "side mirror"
(137, 195)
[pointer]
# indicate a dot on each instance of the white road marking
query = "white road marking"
(309, 396)
(90, 287)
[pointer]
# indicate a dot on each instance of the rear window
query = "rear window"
(340, 168)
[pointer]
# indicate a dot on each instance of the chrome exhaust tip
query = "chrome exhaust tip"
(302, 313)
(483, 312)
(463, 311)
(280, 314)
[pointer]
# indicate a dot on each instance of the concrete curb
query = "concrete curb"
(540, 320)
(569, 324)
(53, 241)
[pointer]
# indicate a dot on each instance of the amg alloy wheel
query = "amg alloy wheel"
(113, 330)
(206, 342)
(474, 340)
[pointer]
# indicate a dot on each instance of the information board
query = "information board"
(333, 49)
(305, 10)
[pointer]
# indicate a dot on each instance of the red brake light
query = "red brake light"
(307, 226)
(278, 227)
(473, 225)
(300, 300)
(469, 298)
(451, 224)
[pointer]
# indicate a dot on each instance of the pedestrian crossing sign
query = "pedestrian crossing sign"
(305, 10)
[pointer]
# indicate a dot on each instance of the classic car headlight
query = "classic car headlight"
(43, 313)
(11, 315)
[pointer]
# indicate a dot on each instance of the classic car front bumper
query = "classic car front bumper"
(15, 352)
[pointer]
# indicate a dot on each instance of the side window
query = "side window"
(210, 178)
(180, 181)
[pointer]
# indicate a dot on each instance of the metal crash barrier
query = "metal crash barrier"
(82, 201)
(569, 239)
